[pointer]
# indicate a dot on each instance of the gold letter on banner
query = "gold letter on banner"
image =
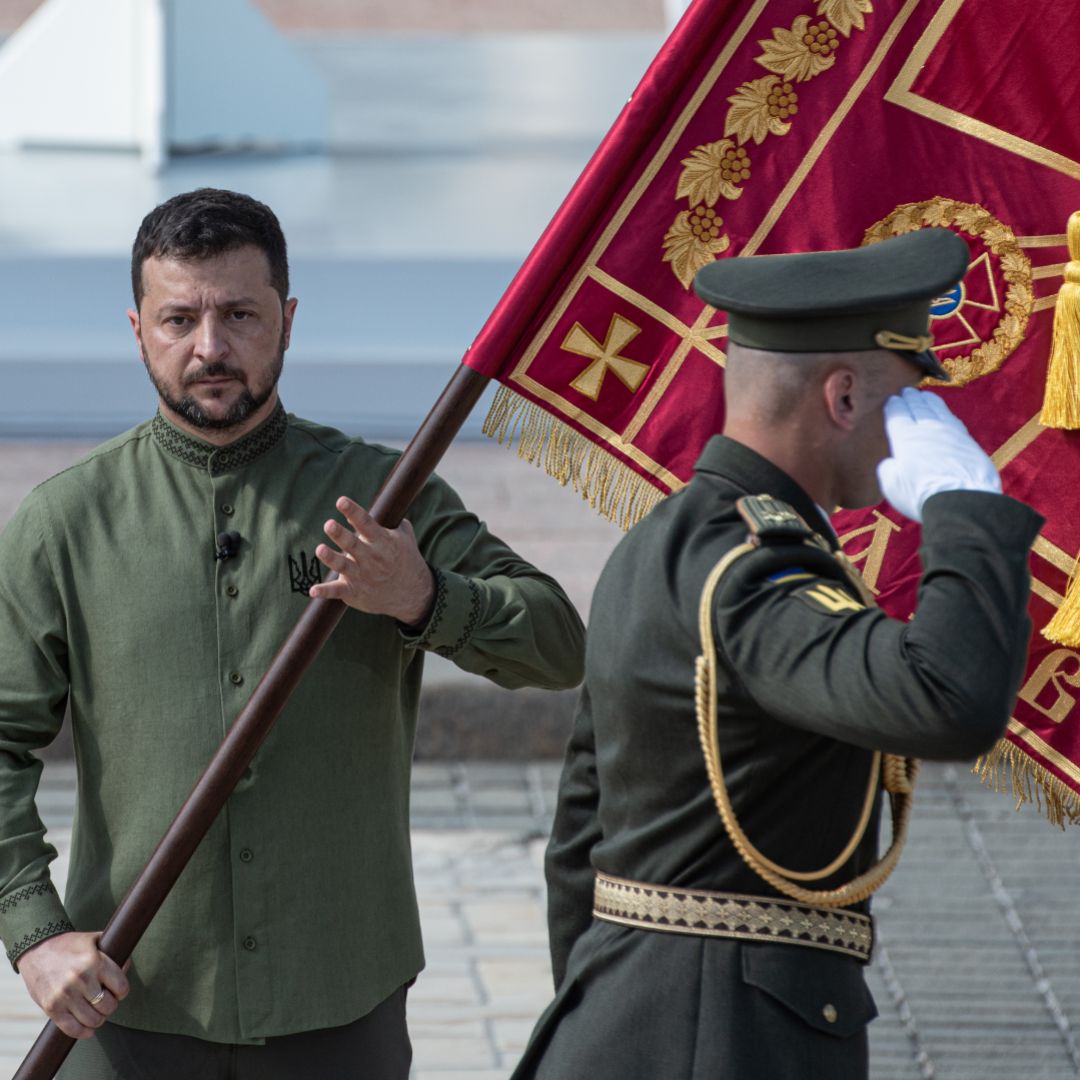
(874, 553)
(1051, 670)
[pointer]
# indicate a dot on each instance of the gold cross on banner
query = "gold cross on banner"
(631, 373)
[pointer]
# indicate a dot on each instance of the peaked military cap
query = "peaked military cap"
(872, 297)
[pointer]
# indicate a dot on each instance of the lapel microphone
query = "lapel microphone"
(228, 544)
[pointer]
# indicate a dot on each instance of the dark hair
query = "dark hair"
(207, 222)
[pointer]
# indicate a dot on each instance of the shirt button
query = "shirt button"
(227, 509)
(236, 678)
(250, 944)
(246, 854)
(231, 590)
(830, 1014)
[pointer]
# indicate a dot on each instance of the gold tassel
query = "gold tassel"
(1008, 769)
(1061, 405)
(612, 488)
(1064, 627)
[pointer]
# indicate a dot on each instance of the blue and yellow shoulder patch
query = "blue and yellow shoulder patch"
(792, 573)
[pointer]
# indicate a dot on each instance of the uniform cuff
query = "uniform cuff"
(454, 615)
(31, 914)
(949, 515)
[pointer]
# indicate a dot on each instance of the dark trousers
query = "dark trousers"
(375, 1047)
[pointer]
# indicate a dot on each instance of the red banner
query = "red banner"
(802, 125)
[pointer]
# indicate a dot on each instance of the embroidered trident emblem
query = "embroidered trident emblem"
(304, 574)
(631, 373)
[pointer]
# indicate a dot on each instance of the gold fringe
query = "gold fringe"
(1064, 627)
(612, 488)
(1061, 405)
(1007, 769)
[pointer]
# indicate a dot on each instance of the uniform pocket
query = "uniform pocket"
(825, 990)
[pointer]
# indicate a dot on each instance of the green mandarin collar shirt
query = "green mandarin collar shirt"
(298, 911)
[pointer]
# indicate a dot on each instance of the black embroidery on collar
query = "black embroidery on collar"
(304, 573)
(223, 459)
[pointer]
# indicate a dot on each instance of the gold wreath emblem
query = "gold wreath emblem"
(986, 351)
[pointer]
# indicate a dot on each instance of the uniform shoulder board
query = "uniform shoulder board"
(771, 520)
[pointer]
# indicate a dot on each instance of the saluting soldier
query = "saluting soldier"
(708, 909)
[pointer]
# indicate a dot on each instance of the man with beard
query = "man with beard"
(148, 587)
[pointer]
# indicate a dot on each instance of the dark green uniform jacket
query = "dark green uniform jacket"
(806, 693)
(298, 911)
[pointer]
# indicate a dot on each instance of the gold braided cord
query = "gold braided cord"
(898, 775)
(890, 339)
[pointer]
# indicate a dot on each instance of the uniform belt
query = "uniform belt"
(704, 913)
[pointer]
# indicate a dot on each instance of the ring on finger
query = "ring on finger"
(98, 998)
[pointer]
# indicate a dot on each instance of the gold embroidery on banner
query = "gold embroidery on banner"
(845, 14)
(694, 241)
(642, 303)
(712, 333)
(1044, 592)
(671, 369)
(621, 444)
(649, 174)
(802, 52)
(873, 555)
(978, 223)
(1049, 270)
(900, 93)
(760, 108)
(1058, 559)
(1017, 443)
(701, 340)
(711, 171)
(1054, 555)
(1047, 240)
(663, 154)
(829, 130)
(1052, 671)
(605, 357)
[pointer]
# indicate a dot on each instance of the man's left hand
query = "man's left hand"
(380, 571)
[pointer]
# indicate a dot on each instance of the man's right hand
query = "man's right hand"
(931, 452)
(65, 974)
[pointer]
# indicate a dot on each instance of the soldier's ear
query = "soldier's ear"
(839, 397)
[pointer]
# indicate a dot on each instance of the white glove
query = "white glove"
(931, 452)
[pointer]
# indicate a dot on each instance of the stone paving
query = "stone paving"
(976, 971)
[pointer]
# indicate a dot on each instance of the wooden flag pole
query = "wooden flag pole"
(147, 894)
